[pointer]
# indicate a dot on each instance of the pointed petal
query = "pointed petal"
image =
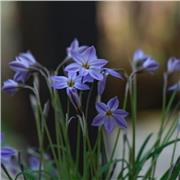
(89, 54)
(101, 107)
(113, 73)
(138, 55)
(109, 124)
(7, 152)
(74, 98)
(101, 85)
(98, 63)
(72, 67)
(81, 86)
(77, 57)
(59, 82)
(98, 120)
(120, 112)
(113, 103)
(83, 72)
(95, 74)
(120, 121)
(17, 66)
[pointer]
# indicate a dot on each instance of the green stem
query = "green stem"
(78, 146)
(6, 172)
(134, 117)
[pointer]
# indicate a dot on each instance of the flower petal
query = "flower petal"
(72, 67)
(120, 112)
(59, 82)
(77, 57)
(101, 85)
(99, 63)
(7, 152)
(95, 74)
(17, 66)
(101, 107)
(74, 98)
(138, 55)
(89, 54)
(109, 124)
(120, 121)
(98, 120)
(81, 86)
(113, 103)
(83, 72)
(113, 73)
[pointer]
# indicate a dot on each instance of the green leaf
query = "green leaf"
(143, 146)
(150, 154)
(107, 165)
(172, 172)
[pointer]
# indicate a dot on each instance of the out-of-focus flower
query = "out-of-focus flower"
(110, 115)
(87, 63)
(6, 151)
(173, 65)
(143, 62)
(23, 65)
(74, 47)
(34, 163)
(175, 87)
(102, 83)
(71, 83)
(10, 86)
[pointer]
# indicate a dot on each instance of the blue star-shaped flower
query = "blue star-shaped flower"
(87, 63)
(109, 115)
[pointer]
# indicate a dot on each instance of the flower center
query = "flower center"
(109, 113)
(71, 83)
(86, 66)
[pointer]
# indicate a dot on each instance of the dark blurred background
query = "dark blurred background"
(115, 28)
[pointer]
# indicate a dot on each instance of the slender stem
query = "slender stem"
(173, 155)
(123, 152)
(61, 64)
(78, 146)
(88, 101)
(118, 133)
(133, 95)
(6, 172)
(174, 149)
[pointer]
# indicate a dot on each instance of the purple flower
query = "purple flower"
(143, 62)
(102, 83)
(71, 83)
(10, 86)
(34, 163)
(6, 151)
(87, 63)
(23, 65)
(74, 47)
(110, 115)
(173, 65)
(175, 87)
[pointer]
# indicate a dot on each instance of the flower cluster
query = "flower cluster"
(85, 68)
